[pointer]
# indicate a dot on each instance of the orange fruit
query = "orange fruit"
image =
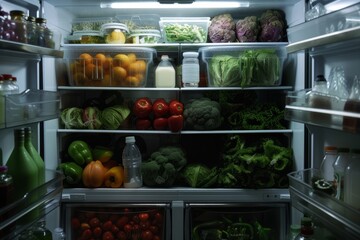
(121, 60)
(80, 79)
(132, 57)
(85, 58)
(137, 67)
(100, 58)
(119, 73)
(132, 81)
(106, 80)
(90, 71)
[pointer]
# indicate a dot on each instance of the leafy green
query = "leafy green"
(225, 71)
(200, 176)
(185, 33)
(72, 118)
(113, 117)
(259, 67)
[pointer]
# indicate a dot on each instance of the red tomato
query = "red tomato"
(85, 226)
(128, 228)
(114, 229)
(142, 124)
(107, 225)
(94, 222)
(108, 236)
(158, 218)
(147, 235)
(142, 107)
(156, 237)
(122, 221)
(176, 107)
(144, 225)
(143, 216)
(136, 218)
(154, 229)
(175, 123)
(160, 123)
(97, 232)
(160, 108)
(86, 234)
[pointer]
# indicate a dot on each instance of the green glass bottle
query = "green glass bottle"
(24, 172)
(41, 232)
(35, 156)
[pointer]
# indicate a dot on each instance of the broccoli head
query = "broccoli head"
(222, 29)
(247, 29)
(162, 167)
(202, 114)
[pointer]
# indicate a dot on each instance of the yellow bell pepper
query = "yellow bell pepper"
(114, 177)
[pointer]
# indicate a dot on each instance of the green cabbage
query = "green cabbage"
(225, 71)
(113, 117)
(72, 118)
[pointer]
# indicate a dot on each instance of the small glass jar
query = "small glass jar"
(45, 35)
(31, 30)
(190, 69)
(18, 17)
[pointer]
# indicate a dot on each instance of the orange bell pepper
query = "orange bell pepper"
(114, 177)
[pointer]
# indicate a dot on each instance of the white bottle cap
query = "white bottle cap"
(164, 57)
(130, 139)
(191, 54)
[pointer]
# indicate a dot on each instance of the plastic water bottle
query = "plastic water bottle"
(58, 234)
(326, 167)
(294, 231)
(351, 180)
(131, 159)
(339, 166)
(190, 69)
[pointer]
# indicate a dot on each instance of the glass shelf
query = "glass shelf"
(30, 106)
(334, 214)
(43, 199)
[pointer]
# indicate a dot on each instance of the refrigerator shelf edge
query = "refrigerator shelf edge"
(27, 48)
(148, 195)
(280, 88)
(337, 214)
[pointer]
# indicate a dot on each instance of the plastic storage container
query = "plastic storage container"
(184, 29)
(165, 74)
(115, 33)
(235, 66)
(89, 24)
(143, 36)
(85, 37)
(190, 69)
(140, 21)
(99, 66)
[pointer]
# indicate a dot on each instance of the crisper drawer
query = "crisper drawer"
(117, 221)
(236, 221)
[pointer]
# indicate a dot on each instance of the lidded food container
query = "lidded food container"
(114, 33)
(85, 37)
(141, 36)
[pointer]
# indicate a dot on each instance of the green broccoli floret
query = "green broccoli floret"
(202, 114)
(162, 167)
(280, 156)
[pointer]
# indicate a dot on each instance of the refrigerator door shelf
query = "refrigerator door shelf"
(43, 199)
(331, 212)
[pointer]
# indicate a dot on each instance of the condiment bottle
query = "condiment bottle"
(352, 104)
(326, 167)
(341, 162)
(7, 87)
(45, 35)
(307, 229)
(131, 159)
(190, 69)
(35, 156)
(31, 30)
(165, 73)
(41, 232)
(24, 171)
(18, 17)
(318, 98)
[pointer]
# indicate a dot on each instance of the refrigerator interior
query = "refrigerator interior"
(299, 73)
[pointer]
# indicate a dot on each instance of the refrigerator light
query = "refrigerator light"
(157, 5)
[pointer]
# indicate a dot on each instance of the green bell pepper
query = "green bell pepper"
(80, 152)
(72, 172)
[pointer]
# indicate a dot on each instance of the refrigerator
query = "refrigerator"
(311, 47)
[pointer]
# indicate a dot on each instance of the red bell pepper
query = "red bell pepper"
(175, 123)
(160, 123)
(176, 107)
(142, 123)
(142, 107)
(160, 108)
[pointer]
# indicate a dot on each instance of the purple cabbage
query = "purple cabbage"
(222, 29)
(247, 29)
(273, 26)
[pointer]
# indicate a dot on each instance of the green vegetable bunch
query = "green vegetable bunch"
(224, 71)
(163, 166)
(198, 175)
(260, 67)
(257, 117)
(202, 114)
(185, 33)
(262, 165)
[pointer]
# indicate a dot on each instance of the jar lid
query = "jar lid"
(151, 32)
(40, 20)
(120, 26)
(17, 13)
(78, 34)
(190, 54)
